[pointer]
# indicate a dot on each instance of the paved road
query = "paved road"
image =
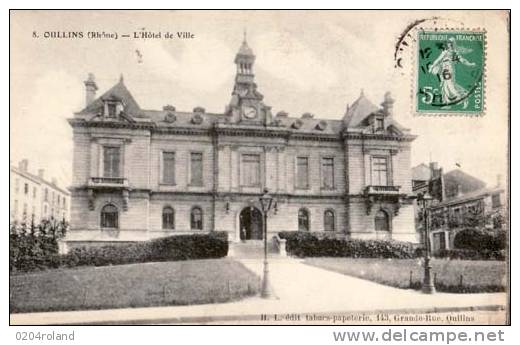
(305, 287)
(301, 289)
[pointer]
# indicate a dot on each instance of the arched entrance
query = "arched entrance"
(251, 224)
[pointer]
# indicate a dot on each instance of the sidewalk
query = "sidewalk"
(299, 289)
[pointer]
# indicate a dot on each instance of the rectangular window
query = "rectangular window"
(112, 109)
(196, 169)
(26, 188)
(46, 197)
(380, 124)
(34, 192)
(495, 201)
(15, 207)
(327, 173)
(379, 171)
(457, 216)
(168, 168)
(111, 161)
(251, 170)
(302, 172)
(17, 185)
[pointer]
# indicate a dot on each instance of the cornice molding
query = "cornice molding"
(229, 130)
(364, 136)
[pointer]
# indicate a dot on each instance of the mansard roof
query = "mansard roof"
(355, 121)
(118, 92)
(168, 118)
(310, 125)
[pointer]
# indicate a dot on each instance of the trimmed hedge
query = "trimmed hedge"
(304, 244)
(480, 240)
(172, 248)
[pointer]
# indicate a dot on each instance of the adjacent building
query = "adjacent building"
(33, 198)
(140, 174)
(460, 201)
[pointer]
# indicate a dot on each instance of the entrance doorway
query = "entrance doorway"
(251, 224)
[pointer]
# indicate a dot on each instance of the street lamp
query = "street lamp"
(266, 200)
(428, 285)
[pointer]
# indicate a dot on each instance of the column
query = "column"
(282, 170)
(95, 158)
(270, 168)
(234, 175)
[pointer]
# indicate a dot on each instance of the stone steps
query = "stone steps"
(250, 249)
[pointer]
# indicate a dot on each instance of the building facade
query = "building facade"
(460, 201)
(483, 208)
(140, 174)
(33, 198)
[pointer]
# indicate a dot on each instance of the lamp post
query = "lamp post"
(266, 200)
(428, 286)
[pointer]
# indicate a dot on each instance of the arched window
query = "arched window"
(109, 217)
(382, 221)
(168, 218)
(328, 220)
(196, 218)
(303, 220)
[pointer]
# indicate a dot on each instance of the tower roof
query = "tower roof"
(359, 110)
(245, 49)
(117, 92)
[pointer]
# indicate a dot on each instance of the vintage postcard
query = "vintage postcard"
(259, 167)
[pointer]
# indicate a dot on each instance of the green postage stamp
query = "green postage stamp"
(450, 72)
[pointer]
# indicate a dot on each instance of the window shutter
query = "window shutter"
(111, 161)
(302, 172)
(327, 169)
(251, 170)
(196, 169)
(168, 167)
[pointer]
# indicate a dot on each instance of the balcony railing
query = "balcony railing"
(382, 190)
(108, 182)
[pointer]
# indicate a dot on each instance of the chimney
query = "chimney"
(458, 190)
(434, 170)
(388, 104)
(23, 165)
(90, 89)
(54, 181)
(41, 173)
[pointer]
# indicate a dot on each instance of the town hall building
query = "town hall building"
(140, 174)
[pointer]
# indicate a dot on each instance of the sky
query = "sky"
(306, 61)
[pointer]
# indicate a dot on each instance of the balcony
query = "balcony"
(382, 190)
(388, 194)
(108, 182)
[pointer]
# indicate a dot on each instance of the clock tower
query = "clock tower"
(246, 106)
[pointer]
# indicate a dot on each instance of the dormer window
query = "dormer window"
(113, 106)
(111, 109)
(380, 124)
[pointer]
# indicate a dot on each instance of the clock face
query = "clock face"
(250, 112)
